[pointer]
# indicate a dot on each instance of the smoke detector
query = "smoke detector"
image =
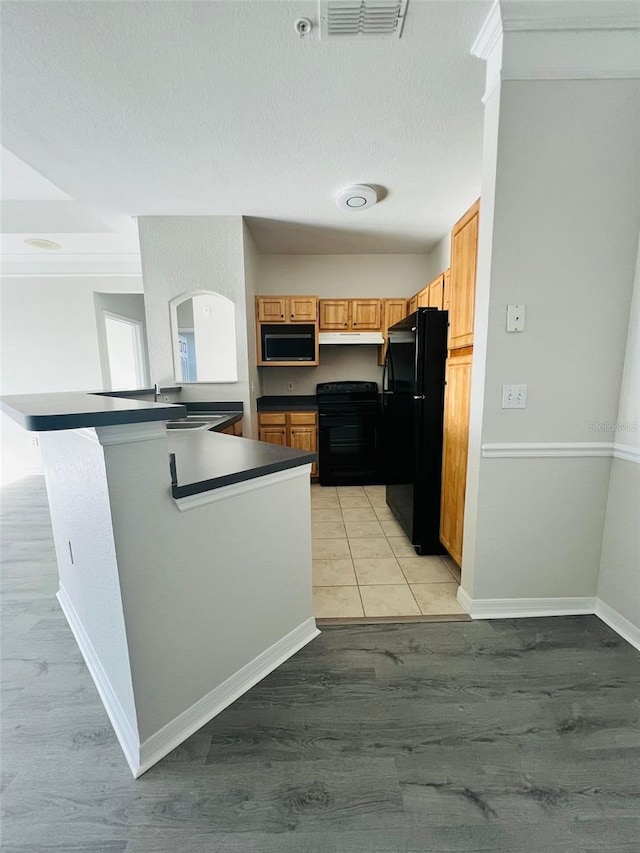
(40, 243)
(357, 197)
(362, 18)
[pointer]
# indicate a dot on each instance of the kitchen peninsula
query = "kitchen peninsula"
(180, 598)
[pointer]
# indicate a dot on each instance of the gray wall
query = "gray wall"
(562, 240)
(181, 254)
(619, 581)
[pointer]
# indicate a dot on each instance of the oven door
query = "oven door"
(348, 446)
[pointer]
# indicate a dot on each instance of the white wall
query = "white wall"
(251, 276)
(619, 580)
(440, 256)
(338, 276)
(49, 343)
(563, 242)
(181, 254)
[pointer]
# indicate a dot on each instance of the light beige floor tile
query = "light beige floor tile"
(349, 491)
(327, 490)
(437, 598)
(324, 501)
(453, 567)
(354, 500)
(363, 529)
(391, 528)
(378, 499)
(424, 570)
(389, 601)
(401, 546)
(358, 513)
(379, 570)
(322, 516)
(375, 547)
(376, 491)
(383, 513)
(333, 602)
(328, 530)
(330, 549)
(334, 573)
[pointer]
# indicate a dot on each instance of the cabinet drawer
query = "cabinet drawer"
(272, 418)
(303, 418)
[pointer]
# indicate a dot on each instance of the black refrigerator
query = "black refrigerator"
(413, 408)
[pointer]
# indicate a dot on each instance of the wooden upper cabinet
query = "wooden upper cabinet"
(436, 292)
(287, 309)
(272, 309)
(422, 298)
(446, 286)
(351, 315)
(393, 310)
(464, 255)
(302, 309)
(366, 315)
(334, 314)
(412, 304)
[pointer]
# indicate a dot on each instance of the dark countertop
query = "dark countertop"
(207, 460)
(76, 409)
(285, 403)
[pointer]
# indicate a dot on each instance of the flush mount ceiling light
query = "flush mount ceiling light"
(357, 197)
(40, 243)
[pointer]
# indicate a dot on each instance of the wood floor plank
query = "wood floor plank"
(509, 736)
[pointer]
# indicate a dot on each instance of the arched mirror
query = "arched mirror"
(203, 333)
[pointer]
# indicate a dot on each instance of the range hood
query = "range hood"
(374, 338)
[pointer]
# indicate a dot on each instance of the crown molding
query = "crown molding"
(559, 41)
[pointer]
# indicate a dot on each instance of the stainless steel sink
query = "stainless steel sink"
(186, 424)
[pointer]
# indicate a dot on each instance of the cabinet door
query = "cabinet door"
(393, 310)
(446, 286)
(436, 293)
(464, 252)
(454, 454)
(303, 309)
(422, 298)
(366, 315)
(274, 435)
(272, 309)
(412, 304)
(334, 314)
(305, 438)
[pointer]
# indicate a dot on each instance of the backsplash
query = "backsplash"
(336, 363)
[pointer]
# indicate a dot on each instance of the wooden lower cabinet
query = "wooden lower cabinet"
(291, 429)
(454, 453)
(233, 429)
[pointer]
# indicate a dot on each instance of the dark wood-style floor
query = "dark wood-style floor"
(514, 736)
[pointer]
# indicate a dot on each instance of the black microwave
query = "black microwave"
(288, 343)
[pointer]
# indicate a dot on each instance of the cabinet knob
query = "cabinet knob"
(346, 324)
(355, 324)
(292, 316)
(282, 315)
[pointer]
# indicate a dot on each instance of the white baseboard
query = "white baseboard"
(189, 721)
(620, 624)
(127, 736)
(514, 608)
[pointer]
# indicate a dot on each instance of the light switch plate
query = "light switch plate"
(514, 396)
(515, 318)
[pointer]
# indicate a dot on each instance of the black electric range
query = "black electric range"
(349, 422)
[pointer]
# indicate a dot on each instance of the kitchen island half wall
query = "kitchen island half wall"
(178, 605)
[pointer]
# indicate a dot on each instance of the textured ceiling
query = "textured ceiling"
(221, 108)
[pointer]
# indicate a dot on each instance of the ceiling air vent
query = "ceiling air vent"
(355, 18)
